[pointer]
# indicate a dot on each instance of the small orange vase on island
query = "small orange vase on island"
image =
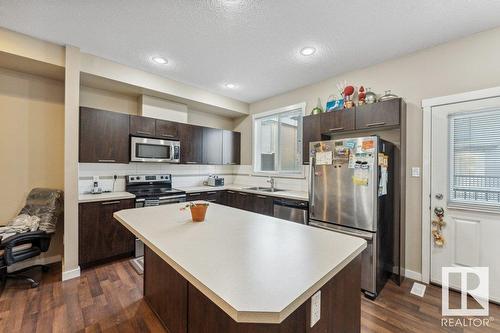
(198, 210)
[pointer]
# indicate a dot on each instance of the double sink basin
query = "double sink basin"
(263, 189)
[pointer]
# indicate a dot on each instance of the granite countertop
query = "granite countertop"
(256, 268)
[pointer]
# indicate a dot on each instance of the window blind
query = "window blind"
(474, 141)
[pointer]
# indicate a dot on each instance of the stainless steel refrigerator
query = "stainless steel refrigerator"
(351, 191)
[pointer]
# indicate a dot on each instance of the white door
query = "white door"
(465, 183)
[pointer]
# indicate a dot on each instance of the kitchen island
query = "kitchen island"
(244, 272)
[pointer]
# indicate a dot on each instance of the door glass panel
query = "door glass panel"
(475, 158)
(144, 150)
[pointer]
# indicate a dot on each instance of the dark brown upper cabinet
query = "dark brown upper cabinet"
(310, 132)
(338, 121)
(142, 126)
(212, 146)
(166, 129)
(104, 136)
(381, 114)
(191, 139)
(231, 151)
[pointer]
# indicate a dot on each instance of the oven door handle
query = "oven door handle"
(173, 197)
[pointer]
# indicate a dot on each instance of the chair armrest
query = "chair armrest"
(40, 241)
(23, 238)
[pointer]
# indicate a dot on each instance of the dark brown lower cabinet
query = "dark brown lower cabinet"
(210, 196)
(262, 204)
(100, 237)
(252, 202)
(182, 308)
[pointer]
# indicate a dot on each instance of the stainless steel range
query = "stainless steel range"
(152, 190)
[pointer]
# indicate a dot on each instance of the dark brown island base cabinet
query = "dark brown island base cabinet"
(105, 138)
(182, 308)
(100, 237)
(362, 118)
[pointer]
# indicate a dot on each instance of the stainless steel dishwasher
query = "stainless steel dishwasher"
(291, 210)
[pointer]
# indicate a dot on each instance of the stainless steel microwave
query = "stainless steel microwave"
(154, 150)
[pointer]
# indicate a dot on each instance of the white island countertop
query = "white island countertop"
(256, 268)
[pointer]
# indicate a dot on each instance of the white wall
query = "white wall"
(466, 64)
(159, 108)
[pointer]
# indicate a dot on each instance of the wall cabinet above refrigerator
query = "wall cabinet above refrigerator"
(363, 118)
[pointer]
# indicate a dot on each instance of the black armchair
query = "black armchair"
(47, 204)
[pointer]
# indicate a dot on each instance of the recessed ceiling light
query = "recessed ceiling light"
(308, 51)
(160, 60)
(230, 86)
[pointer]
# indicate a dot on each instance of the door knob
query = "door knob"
(439, 196)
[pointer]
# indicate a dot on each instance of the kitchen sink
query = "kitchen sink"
(264, 189)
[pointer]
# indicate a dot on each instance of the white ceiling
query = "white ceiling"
(253, 44)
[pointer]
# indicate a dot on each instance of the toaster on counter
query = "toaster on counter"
(215, 181)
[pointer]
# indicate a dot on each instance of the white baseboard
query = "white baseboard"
(34, 261)
(413, 275)
(68, 275)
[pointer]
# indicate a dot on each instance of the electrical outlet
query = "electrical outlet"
(315, 308)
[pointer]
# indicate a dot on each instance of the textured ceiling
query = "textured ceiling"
(252, 44)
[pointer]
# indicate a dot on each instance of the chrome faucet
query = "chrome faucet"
(271, 181)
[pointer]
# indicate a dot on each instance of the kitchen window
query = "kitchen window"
(278, 141)
(475, 158)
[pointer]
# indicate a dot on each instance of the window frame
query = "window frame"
(298, 174)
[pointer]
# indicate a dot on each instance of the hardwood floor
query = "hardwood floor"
(109, 299)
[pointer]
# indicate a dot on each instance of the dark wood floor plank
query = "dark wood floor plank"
(109, 299)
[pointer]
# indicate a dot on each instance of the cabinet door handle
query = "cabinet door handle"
(336, 129)
(108, 161)
(261, 196)
(382, 123)
(230, 192)
(144, 132)
(110, 203)
(241, 193)
(191, 162)
(167, 135)
(194, 194)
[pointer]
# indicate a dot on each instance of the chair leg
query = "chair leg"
(18, 276)
(33, 283)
